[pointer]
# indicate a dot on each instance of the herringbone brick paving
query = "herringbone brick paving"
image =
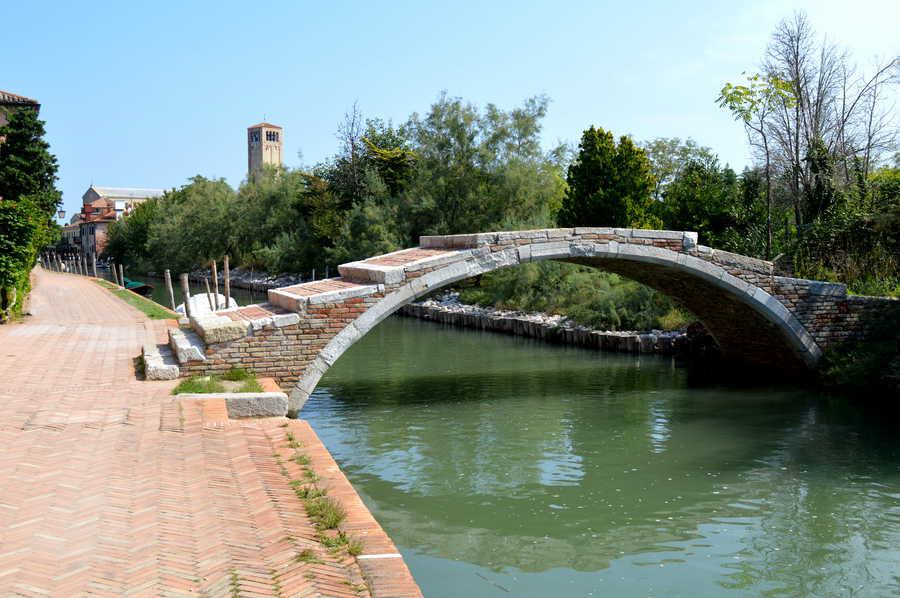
(110, 487)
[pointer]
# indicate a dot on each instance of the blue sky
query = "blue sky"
(147, 94)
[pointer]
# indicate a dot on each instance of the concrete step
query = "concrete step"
(186, 345)
(159, 362)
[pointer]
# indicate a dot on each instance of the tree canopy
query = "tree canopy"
(609, 184)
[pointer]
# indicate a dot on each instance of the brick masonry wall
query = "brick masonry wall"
(831, 316)
(283, 353)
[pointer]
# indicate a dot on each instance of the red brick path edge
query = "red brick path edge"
(109, 486)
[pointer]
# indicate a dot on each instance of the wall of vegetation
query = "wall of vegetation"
(28, 202)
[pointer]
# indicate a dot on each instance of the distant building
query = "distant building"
(264, 144)
(102, 205)
(71, 232)
(10, 102)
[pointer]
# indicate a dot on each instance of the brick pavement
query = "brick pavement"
(110, 487)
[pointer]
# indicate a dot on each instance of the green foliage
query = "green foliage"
(759, 95)
(196, 384)
(853, 237)
(712, 201)
(252, 385)
(325, 512)
(668, 157)
(608, 184)
(150, 308)
(28, 200)
(478, 170)
(127, 239)
(584, 294)
(27, 167)
(237, 374)
(198, 223)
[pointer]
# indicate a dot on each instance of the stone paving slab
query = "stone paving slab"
(109, 486)
(405, 256)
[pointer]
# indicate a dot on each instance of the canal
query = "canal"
(505, 467)
(159, 295)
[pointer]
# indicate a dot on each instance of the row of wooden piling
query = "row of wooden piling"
(79, 265)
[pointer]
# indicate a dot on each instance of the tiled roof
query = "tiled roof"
(268, 125)
(126, 192)
(11, 98)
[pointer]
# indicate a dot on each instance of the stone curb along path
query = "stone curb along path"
(111, 486)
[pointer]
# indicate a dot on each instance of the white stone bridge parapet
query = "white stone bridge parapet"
(754, 315)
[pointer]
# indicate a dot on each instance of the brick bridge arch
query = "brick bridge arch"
(755, 315)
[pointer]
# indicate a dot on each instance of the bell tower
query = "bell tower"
(264, 144)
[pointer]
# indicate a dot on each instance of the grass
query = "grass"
(307, 555)
(237, 375)
(213, 384)
(204, 385)
(152, 310)
(251, 385)
(325, 512)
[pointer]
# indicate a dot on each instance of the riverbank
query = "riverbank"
(114, 486)
(447, 309)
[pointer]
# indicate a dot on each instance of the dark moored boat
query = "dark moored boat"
(141, 288)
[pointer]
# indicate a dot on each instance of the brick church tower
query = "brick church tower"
(264, 145)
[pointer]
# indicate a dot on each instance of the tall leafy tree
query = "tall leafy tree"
(28, 199)
(27, 168)
(609, 184)
(754, 104)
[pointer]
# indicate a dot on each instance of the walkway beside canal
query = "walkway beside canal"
(111, 487)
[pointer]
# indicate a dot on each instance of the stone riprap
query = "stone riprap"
(755, 316)
(548, 328)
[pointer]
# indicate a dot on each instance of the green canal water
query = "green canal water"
(505, 467)
(160, 295)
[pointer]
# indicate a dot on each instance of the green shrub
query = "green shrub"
(198, 384)
(237, 374)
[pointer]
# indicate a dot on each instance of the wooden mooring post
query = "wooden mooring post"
(122, 275)
(186, 294)
(169, 289)
(215, 278)
(227, 273)
(208, 296)
(94, 265)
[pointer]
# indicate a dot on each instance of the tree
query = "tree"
(197, 223)
(478, 170)
(28, 200)
(827, 102)
(26, 165)
(609, 184)
(127, 239)
(668, 157)
(753, 104)
(703, 198)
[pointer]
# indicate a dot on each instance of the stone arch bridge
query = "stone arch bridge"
(755, 315)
